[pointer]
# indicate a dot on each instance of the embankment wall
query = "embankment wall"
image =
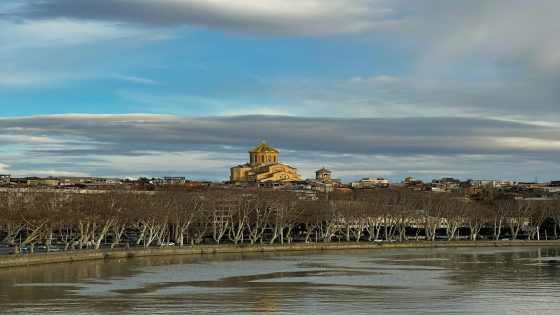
(82, 255)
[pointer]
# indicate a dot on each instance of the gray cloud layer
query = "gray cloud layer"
(88, 141)
(310, 17)
(126, 134)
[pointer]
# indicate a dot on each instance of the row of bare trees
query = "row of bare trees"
(238, 216)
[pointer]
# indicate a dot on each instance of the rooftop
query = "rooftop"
(263, 148)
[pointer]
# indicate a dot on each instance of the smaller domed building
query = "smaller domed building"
(323, 175)
(323, 181)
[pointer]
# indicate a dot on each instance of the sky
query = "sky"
(366, 88)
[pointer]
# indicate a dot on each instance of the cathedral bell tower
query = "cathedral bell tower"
(263, 154)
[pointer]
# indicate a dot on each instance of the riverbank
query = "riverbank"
(71, 256)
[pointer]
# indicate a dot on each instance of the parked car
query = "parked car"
(167, 244)
(56, 249)
(53, 248)
(22, 250)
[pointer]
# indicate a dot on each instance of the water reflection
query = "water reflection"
(483, 280)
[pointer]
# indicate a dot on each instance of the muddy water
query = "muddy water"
(426, 281)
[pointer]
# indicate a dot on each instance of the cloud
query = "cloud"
(129, 133)
(289, 17)
(133, 79)
(19, 79)
(532, 101)
(44, 33)
(502, 32)
(45, 78)
(4, 169)
(14, 79)
(506, 33)
(47, 173)
(142, 144)
(428, 97)
(46, 52)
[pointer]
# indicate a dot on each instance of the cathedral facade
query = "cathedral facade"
(263, 166)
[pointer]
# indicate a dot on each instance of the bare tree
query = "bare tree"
(404, 205)
(373, 215)
(518, 217)
(220, 209)
(432, 208)
(538, 214)
(476, 216)
(239, 214)
(259, 209)
(329, 225)
(185, 210)
(35, 212)
(284, 216)
(153, 219)
(554, 210)
(454, 210)
(11, 206)
(499, 212)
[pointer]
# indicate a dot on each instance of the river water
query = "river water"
(504, 280)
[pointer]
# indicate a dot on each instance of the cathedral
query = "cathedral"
(263, 166)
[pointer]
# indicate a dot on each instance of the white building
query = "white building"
(5, 179)
(370, 183)
(495, 183)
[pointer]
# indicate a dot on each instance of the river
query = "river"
(414, 281)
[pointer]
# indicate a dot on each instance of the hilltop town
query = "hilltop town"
(264, 170)
(266, 201)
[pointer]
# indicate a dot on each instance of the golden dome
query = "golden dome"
(263, 148)
(323, 171)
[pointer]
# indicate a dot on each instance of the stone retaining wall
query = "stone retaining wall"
(70, 256)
